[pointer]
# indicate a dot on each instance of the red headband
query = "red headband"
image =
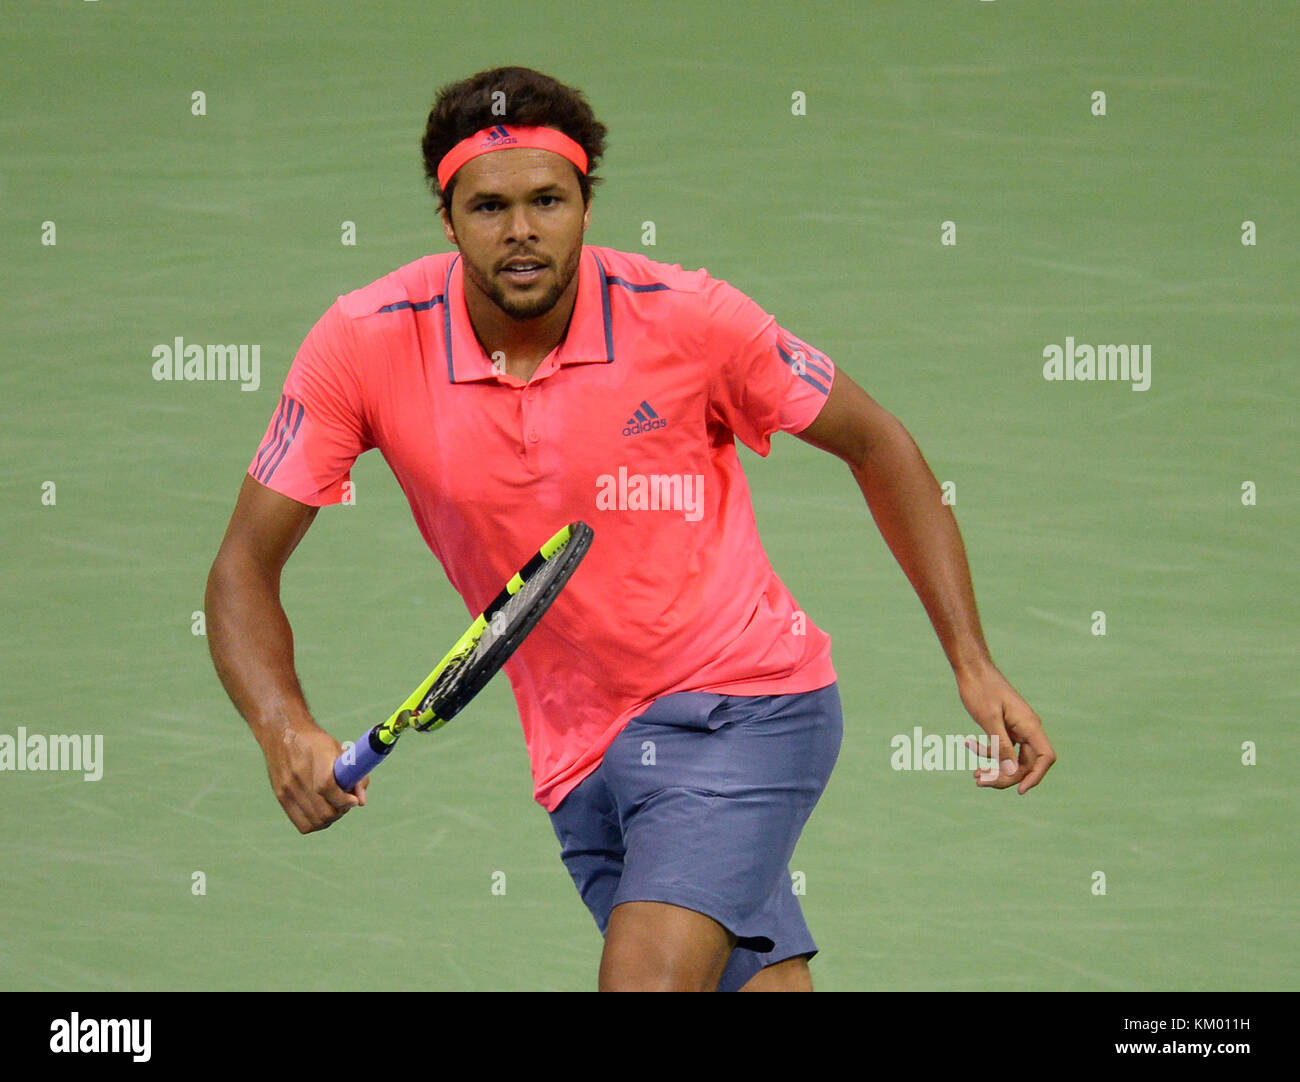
(501, 137)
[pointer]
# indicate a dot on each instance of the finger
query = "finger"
(999, 774)
(1037, 739)
(340, 799)
(1036, 757)
(990, 780)
(326, 811)
(999, 747)
(988, 772)
(1004, 775)
(298, 816)
(311, 811)
(336, 796)
(1042, 765)
(314, 811)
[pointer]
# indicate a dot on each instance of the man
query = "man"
(680, 711)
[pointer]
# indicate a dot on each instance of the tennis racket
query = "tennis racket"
(477, 655)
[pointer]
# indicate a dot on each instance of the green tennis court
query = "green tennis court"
(811, 155)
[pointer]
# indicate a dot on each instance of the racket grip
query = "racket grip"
(359, 760)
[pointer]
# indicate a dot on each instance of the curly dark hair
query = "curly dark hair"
(530, 99)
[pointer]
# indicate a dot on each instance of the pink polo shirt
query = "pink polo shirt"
(629, 425)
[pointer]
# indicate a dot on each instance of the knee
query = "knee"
(658, 948)
(789, 976)
(623, 972)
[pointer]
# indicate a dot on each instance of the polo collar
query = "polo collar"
(588, 340)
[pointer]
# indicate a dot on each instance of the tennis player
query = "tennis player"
(680, 711)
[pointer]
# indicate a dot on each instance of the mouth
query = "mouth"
(523, 271)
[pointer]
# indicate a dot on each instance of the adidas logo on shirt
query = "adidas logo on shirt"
(643, 420)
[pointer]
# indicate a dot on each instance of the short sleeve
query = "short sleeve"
(318, 429)
(764, 379)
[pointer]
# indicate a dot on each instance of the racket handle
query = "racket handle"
(359, 760)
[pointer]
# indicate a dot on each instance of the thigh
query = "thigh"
(656, 947)
(591, 845)
(712, 793)
(695, 810)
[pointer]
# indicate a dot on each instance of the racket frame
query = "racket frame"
(421, 710)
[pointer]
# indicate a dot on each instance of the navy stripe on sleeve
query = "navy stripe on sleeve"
(288, 430)
(802, 370)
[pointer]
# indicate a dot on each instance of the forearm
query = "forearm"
(921, 532)
(252, 648)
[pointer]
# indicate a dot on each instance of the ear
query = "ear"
(446, 227)
(586, 216)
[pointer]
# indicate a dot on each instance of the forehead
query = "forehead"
(518, 169)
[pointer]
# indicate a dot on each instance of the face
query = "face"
(513, 207)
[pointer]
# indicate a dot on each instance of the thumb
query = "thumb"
(1003, 768)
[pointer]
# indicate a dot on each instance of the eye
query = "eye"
(488, 205)
(548, 200)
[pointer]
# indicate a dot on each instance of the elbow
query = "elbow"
(229, 574)
(884, 437)
(216, 590)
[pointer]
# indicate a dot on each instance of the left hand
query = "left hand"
(1011, 723)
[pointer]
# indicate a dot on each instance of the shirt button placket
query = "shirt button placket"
(532, 434)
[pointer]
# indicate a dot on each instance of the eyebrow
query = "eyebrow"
(545, 189)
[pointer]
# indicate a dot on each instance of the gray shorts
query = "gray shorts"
(699, 803)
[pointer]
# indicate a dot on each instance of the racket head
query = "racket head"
(502, 627)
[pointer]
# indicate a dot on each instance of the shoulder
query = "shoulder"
(640, 273)
(367, 325)
(416, 286)
(635, 277)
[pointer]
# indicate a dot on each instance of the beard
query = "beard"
(530, 305)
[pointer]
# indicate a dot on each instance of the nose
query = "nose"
(519, 224)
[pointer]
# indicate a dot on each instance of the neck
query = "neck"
(525, 343)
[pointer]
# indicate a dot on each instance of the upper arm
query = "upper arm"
(762, 378)
(263, 532)
(319, 426)
(850, 423)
